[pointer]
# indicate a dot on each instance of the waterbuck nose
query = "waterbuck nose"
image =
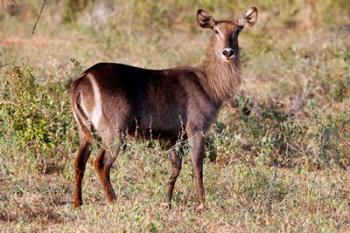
(228, 53)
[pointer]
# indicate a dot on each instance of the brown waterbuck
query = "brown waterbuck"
(112, 101)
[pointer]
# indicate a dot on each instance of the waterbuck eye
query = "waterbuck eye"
(216, 31)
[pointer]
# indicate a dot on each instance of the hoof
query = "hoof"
(112, 202)
(200, 208)
(77, 204)
(165, 205)
(112, 198)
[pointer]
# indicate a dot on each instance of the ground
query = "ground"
(276, 158)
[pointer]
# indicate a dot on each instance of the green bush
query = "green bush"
(272, 137)
(36, 117)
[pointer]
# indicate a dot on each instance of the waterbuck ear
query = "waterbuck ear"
(249, 17)
(205, 20)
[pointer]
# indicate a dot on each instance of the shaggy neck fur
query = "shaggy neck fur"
(220, 78)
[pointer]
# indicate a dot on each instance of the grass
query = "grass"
(277, 157)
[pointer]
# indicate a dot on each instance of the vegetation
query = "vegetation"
(277, 157)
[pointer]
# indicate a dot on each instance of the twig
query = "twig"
(296, 149)
(4, 65)
(41, 11)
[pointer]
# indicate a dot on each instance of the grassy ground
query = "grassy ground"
(277, 157)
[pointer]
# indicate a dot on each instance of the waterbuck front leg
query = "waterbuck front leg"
(79, 168)
(197, 155)
(176, 162)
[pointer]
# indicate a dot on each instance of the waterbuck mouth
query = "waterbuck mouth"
(227, 59)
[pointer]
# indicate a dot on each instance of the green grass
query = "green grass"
(277, 157)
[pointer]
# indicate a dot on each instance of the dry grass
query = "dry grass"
(277, 157)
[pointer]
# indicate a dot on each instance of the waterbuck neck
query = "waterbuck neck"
(220, 78)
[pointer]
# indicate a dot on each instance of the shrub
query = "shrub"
(36, 118)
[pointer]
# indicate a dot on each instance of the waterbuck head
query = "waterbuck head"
(225, 38)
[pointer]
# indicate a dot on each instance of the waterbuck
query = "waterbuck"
(112, 101)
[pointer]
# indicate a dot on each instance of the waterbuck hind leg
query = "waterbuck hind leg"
(105, 159)
(197, 156)
(176, 162)
(79, 167)
(103, 164)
